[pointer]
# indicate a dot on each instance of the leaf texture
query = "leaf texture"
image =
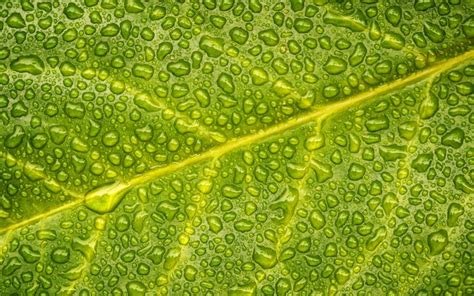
(236, 147)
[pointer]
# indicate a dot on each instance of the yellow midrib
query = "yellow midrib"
(323, 111)
(235, 144)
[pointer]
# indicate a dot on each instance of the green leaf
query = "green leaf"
(236, 147)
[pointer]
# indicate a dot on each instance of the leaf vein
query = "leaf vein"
(318, 112)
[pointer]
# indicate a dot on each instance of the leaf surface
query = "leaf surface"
(236, 147)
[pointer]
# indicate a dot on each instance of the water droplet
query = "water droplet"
(454, 138)
(179, 68)
(226, 83)
(377, 124)
(15, 138)
(422, 5)
(264, 256)
(358, 55)
(143, 71)
(134, 6)
(28, 254)
(60, 255)
(303, 25)
(213, 47)
(73, 12)
(259, 76)
(106, 198)
(231, 191)
(215, 224)
(437, 241)
(455, 211)
(16, 21)
(12, 265)
(136, 288)
(111, 138)
(378, 237)
(434, 32)
(335, 65)
(317, 219)
(239, 35)
(356, 172)
(28, 64)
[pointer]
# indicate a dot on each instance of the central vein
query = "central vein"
(104, 199)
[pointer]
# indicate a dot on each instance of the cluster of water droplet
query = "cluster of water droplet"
(94, 92)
